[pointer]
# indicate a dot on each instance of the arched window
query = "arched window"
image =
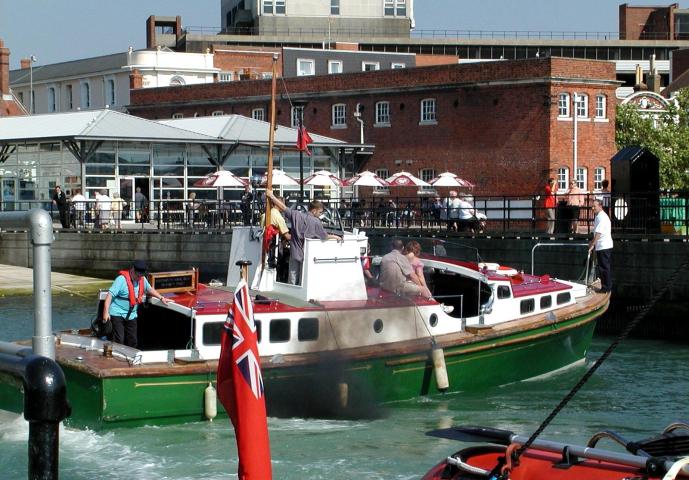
(581, 177)
(600, 106)
(563, 105)
(563, 178)
(177, 80)
(85, 95)
(51, 100)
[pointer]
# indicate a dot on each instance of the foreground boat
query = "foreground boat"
(662, 456)
(331, 346)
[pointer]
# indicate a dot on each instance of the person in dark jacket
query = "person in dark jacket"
(60, 200)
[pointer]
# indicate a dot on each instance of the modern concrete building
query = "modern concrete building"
(390, 18)
(104, 82)
(663, 32)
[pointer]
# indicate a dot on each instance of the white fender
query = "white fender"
(210, 402)
(439, 369)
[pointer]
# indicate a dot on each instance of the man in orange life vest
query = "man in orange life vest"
(124, 296)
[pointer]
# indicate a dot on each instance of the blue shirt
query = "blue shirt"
(120, 297)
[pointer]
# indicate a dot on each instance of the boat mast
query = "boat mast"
(271, 141)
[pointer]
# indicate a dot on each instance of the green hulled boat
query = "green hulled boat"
(332, 346)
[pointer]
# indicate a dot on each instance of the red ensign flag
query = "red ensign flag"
(303, 140)
(240, 387)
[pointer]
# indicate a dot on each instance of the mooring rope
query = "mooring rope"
(624, 334)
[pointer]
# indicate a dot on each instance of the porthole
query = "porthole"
(378, 325)
(433, 320)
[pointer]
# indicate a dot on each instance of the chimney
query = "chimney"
(653, 79)
(136, 80)
(24, 63)
(4, 70)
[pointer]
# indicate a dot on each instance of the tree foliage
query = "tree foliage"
(666, 136)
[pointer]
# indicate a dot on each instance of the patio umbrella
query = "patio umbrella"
(365, 179)
(405, 179)
(323, 178)
(221, 178)
(280, 178)
(448, 179)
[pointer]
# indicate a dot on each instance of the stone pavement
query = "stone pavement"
(19, 281)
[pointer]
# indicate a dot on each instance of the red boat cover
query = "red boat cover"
(540, 465)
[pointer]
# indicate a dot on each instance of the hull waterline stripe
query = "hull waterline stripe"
(169, 384)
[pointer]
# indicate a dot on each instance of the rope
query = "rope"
(624, 334)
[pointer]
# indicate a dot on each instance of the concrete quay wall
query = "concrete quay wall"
(640, 268)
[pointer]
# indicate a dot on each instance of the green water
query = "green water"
(640, 389)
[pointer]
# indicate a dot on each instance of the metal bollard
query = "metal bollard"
(45, 406)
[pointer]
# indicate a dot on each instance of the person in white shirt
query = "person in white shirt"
(79, 208)
(602, 242)
(103, 202)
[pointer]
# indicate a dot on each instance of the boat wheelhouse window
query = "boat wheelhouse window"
(307, 330)
(546, 302)
(563, 297)
(504, 291)
(465, 294)
(279, 330)
(212, 333)
(527, 306)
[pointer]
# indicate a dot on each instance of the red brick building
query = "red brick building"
(8, 104)
(506, 126)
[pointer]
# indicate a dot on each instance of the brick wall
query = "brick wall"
(252, 61)
(641, 22)
(496, 124)
(680, 62)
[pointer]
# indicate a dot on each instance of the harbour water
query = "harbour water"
(640, 389)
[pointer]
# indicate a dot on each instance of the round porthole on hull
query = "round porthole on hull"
(378, 325)
(433, 320)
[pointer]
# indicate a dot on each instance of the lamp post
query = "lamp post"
(32, 59)
(301, 105)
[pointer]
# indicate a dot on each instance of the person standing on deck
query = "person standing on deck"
(602, 242)
(304, 225)
(121, 303)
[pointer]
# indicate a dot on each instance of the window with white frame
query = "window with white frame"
(563, 105)
(218, 113)
(396, 65)
(598, 177)
(563, 178)
(334, 66)
(395, 8)
(176, 81)
(258, 114)
(110, 91)
(177, 115)
(274, 7)
(428, 113)
(85, 95)
(334, 7)
(581, 177)
(383, 113)
(370, 66)
(305, 67)
(383, 173)
(582, 105)
(266, 75)
(339, 115)
(52, 100)
(297, 113)
(600, 106)
(225, 76)
(69, 100)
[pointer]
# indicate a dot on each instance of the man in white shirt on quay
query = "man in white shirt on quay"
(602, 242)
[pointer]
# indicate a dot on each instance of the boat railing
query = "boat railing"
(558, 244)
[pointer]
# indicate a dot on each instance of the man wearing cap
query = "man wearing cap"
(124, 296)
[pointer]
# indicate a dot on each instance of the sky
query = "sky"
(57, 31)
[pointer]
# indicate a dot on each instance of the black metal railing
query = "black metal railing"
(664, 213)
